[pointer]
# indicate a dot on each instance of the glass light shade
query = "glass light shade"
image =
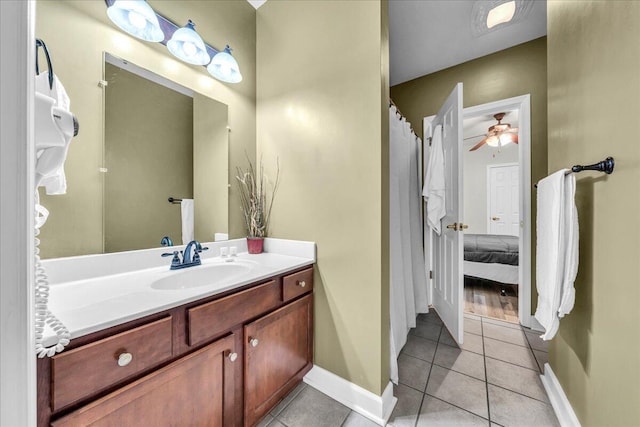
(502, 140)
(224, 67)
(501, 14)
(187, 45)
(137, 18)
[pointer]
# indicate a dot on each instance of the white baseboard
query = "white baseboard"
(558, 399)
(377, 408)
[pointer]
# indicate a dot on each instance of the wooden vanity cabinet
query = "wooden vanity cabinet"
(278, 352)
(196, 390)
(224, 361)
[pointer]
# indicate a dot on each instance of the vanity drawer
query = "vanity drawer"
(297, 284)
(86, 370)
(212, 319)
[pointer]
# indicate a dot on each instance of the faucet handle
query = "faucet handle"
(176, 259)
(166, 241)
(203, 249)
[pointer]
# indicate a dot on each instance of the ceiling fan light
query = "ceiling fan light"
(493, 141)
(505, 139)
(501, 14)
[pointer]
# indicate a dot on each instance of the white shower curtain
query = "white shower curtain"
(408, 287)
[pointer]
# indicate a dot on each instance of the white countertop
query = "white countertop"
(86, 302)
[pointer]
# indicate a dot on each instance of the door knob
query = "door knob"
(494, 218)
(463, 226)
(453, 226)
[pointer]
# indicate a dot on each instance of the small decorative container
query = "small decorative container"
(255, 244)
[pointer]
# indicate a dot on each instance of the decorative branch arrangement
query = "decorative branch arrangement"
(255, 200)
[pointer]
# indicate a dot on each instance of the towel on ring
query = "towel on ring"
(556, 249)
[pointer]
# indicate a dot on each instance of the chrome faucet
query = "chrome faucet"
(190, 256)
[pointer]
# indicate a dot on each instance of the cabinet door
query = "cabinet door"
(278, 352)
(196, 390)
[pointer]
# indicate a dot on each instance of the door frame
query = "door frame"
(489, 167)
(523, 104)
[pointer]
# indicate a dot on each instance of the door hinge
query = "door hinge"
(430, 274)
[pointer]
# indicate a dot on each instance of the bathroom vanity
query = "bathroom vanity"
(221, 360)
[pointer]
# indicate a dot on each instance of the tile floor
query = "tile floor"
(492, 380)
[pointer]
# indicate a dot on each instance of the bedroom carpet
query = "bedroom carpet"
(492, 380)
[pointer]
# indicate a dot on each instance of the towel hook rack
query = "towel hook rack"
(174, 201)
(605, 166)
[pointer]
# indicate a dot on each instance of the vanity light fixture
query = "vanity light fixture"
(224, 67)
(137, 18)
(187, 45)
(501, 14)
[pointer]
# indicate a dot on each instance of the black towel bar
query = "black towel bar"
(605, 166)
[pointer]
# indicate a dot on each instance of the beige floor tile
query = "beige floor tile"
(356, 420)
(510, 353)
(413, 372)
(311, 408)
(276, 423)
(419, 347)
(430, 317)
(542, 358)
(405, 413)
(462, 361)
(427, 330)
(502, 333)
(287, 400)
(501, 323)
(436, 413)
(473, 326)
(512, 409)
(265, 421)
(536, 342)
(472, 316)
(515, 378)
(471, 342)
(459, 390)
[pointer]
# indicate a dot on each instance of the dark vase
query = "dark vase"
(254, 244)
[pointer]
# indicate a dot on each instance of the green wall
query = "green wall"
(149, 157)
(77, 32)
(594, 111)
(322, 94)
(519, 70)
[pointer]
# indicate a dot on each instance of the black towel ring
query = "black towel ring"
(40, 43)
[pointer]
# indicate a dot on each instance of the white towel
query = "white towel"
(434, 183)
(186, 208)
(556, 250)
(56, 182)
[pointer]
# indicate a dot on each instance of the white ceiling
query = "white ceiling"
(430, 35)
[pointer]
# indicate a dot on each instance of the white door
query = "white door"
(504, 199)
(447, 248)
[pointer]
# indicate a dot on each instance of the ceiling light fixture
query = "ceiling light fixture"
(501, 14)
(187, 45)
(137, 18)
(490, 15)
(224, 67)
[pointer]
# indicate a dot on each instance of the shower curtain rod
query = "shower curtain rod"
(402, 116)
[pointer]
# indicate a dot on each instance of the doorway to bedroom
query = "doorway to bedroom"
(492, 210)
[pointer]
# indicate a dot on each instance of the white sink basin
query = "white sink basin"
(202, 275)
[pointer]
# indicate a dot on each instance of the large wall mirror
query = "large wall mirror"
(162, 141)
(151, 127)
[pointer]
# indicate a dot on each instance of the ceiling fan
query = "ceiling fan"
(499, 134)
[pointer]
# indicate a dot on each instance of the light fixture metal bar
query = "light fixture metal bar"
(168, 28)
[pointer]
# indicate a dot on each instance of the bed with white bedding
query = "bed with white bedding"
(492, 257)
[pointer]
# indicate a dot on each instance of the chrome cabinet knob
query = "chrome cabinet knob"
(301, 283)
(233, 357)
(124, 359)
(254, 342)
